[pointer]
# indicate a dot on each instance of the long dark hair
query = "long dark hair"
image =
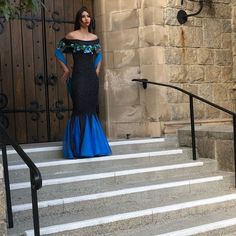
(78, 19)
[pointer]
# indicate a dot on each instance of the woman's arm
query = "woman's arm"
(98, 62)
(62, 60)
(98, 67)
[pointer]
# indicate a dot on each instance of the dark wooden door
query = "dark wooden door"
(34, 103)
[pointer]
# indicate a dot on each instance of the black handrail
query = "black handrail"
(191, 97)
(35, 178)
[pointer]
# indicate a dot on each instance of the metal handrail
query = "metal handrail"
(191, 97)
(35, 178)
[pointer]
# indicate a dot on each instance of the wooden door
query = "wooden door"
(34, 103)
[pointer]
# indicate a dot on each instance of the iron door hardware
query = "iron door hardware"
(39, 79)
(52, 79)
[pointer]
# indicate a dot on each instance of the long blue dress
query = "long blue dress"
(83, 136)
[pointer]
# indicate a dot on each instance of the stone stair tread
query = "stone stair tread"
(54, 151)
(164, 222)
(120, 204)
(172, 191)
(103, 185)
(176, 226)
(103, 167)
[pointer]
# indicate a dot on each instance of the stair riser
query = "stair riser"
(142, 221)
(112, 205)
(75, 188)
(103, 166)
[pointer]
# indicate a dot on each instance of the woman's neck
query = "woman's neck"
(84, 30)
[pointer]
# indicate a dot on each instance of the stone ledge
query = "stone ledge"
(3, 220)
(215, 142)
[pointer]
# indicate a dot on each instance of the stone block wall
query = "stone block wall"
(143, 39)
(212, 142)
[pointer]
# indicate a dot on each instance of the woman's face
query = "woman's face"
(85, 19)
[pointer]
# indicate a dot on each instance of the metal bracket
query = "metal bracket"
(182, 16)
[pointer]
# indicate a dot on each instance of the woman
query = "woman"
(84, 136)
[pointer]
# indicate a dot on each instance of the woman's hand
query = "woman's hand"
(65, 75)
(97, 71)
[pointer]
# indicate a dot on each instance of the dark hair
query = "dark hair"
(78, 19)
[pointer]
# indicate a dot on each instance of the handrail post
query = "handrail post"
(7, 186)
(34, 206)
(192, 127)
(234, 136)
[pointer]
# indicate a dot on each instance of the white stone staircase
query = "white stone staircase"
(148, 187)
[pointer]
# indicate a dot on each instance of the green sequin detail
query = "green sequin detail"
(76, 47)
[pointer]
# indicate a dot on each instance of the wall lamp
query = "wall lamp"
(182, 16)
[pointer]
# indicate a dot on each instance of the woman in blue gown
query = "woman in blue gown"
(83, 136)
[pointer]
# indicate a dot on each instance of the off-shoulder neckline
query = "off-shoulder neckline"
(92, 40)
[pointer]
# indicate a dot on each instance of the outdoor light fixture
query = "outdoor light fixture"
(182, 16)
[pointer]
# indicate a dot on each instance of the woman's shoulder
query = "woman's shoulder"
(93, 36)
(74, 35)
(71, 35)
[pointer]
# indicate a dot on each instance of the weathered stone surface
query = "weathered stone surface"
(220, 92)
(170, 16)
(125, 20)
(125, 58)
(189, 56)
(227, 74)
(223, 57)
(205, 56)
(154, 3)
(174, 56)
(212, 30)
(175, 96)
(154, 129)
(120, 40)
(206, 147)
(153, 16)
(120, 81)
(212, 142)
(186, 37)
(213, 74)
(155, 73)
(120, 130)
(109, 60)
(120, 5)
(196, 74)
(224, 154)
(144, 34)
(199, 110)
(152, 56)
(153, 35)
(227, 41)
(134, 113)
(177, 74)
(179, 111)
(222, 11)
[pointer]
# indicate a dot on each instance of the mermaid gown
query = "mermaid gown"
(83, 136)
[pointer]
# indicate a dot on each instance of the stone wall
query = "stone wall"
(3, 225)
(212, 142)
(142, 39)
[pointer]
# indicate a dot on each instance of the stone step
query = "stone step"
(214, 223)
(156, 194)
(133, 219)
(64, 168)
(53, 151)
(81, 184)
